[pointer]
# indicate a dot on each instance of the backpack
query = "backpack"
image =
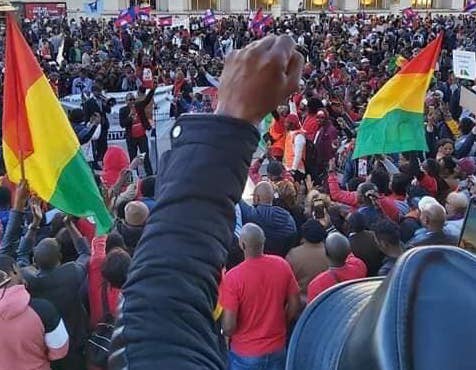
(99, 342)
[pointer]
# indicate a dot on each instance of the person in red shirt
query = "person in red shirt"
(311, 123)
(343, 266)
(260, 298)
(354, 199)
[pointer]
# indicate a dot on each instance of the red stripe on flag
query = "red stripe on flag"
(426, 59)
(21, 71)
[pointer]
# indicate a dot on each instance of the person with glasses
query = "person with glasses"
(133, 119)
(36, 332)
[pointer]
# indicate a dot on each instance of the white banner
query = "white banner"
(464, 64)
(181, 21)
(162, 121)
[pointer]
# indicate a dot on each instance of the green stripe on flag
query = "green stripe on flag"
(398, 131)
(77, 194)
(264, 128)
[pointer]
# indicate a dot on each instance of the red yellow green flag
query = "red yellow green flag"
(37, 132)
(393, 121)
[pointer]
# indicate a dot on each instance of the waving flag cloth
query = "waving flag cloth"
(470, 6)
(143, 12)
(393, 121)
(260, 21)
(125, 17)
(408, 16)
(93, 8)
(37, 132)
(209, 17)
(164, 21)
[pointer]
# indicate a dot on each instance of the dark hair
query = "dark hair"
(5, 197)
(66, 245)
(381, 179)
(313, 232)
(313, 105)
(400, 182)
(115, 240)
(387, 231)
(121, 209)
(448, 163)
(47, 254)
(147, 186)
(354, 183)
(7, 263)
(337, 219)
(56, 224)
(115, 266)
(466, 124)
(76, 115)
(357, 222)
(443, 142)
(432, 167)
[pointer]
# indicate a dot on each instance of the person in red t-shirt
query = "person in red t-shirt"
(311, 123)
(260, 297)
(343, 266)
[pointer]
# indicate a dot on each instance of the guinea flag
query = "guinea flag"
(37, 132)
(393, 121)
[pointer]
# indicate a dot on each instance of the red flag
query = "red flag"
(164, 21)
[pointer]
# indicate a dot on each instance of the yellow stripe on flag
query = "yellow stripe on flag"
(54, 141)
(404, 91)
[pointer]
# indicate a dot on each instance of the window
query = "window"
(315, 4)
(422, 4)
(204, 4)
(372, 4)
(265, 4)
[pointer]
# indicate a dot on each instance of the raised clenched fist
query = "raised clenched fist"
(256, 79)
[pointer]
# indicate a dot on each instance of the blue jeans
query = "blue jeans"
(272, 361)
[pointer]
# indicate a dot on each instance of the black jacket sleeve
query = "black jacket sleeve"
(166, 314)
(125, 121)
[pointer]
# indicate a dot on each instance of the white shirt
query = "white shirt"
(299, 144)
(88, 147)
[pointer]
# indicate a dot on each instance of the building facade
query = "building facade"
(309, 5)
(112, 7)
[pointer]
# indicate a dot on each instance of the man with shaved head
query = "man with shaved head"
(260, 298)
(343, 266)
(277, 223)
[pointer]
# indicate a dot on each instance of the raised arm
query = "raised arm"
(171, 292)
(29, 241)
(11, 237)
(80, 244)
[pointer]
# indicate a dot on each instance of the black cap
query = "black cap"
(76, 116)
(313, 231)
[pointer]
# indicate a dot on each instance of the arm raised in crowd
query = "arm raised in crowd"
(11, 237)
(171, 291)
(29, 241)
(80, 244)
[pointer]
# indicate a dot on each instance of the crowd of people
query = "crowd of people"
(317, 216)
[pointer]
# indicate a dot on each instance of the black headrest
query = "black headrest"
(422, 317)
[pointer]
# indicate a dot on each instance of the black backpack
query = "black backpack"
(99, 342)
